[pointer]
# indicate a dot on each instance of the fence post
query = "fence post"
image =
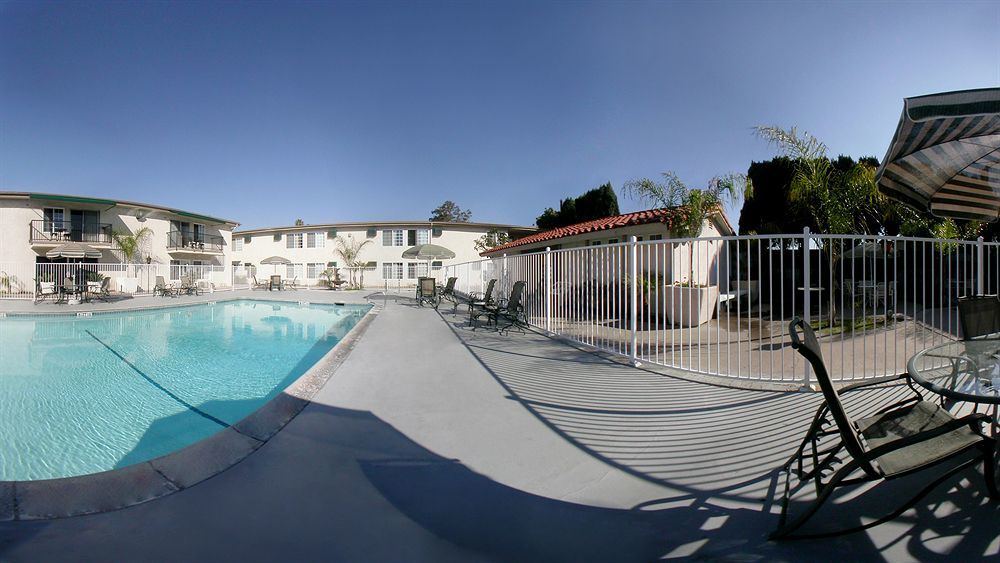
(980, 268)
(806, 295)
(634, 301)
(548, 289)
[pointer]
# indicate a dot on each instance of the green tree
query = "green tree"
(492, 238)
(593, 204)
(130, 244)
(349, 250)
(299, 222)
(840, 196)
(697, 204)
(450, 212)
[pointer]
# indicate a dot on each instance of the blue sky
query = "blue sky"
(268, 112)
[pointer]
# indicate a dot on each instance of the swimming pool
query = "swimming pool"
(81, 395)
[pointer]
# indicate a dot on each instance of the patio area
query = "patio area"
(435, 442)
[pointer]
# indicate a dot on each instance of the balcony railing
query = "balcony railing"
(45, 231)
(194, 242)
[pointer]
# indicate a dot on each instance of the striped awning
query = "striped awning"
(73, 250)
(945, 155)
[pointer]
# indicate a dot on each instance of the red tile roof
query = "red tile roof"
(665, 215)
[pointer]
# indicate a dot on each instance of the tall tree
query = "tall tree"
(299, 222)
(593, 204)
(839, 196)
(350, 250)
(450, 212)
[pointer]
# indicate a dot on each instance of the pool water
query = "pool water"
(81, 395)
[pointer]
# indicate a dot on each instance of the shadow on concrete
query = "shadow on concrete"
(720, 448)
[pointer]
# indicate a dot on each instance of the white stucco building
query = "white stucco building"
(313, 248)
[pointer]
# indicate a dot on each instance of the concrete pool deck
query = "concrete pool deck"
(435, 442)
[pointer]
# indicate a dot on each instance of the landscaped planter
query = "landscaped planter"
(690, 306)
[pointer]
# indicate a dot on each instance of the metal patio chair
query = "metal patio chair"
(979, 315)
(163, 289)
(511, 309)
(447, 293)
(427, 292)
(478, 302)
(901, 439)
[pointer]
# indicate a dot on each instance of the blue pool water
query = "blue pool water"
(81, 395)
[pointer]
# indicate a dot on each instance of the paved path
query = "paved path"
(434, 442)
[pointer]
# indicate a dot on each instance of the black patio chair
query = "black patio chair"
(427, 292)
(478, 302)
(511, 309)
(447, 293)
(901, 439)
(979, 315)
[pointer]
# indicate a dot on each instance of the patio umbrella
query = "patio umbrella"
(945, 155)
(428, 252)
(276, 261)
(76, 250)
(871, 250)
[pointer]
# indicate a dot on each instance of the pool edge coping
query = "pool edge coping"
(115, 489)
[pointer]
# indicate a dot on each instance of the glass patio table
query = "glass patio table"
(964, 370)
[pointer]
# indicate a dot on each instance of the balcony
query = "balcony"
(190, 242)
(44, 232)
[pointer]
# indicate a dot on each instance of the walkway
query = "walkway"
(435, 442)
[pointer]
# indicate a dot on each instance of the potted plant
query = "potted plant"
(689, 301)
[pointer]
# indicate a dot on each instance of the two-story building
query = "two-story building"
(311, 249)
(33, 224)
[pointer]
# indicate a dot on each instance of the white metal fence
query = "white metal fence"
(21, 281)
(721, 305)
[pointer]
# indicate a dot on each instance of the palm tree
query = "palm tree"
(350, 250)
(130, 243)
(696, 205)
(840, 201)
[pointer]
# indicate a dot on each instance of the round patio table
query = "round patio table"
(964, 370)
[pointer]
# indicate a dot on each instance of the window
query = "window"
(238, 244)
(54, 217)
(655, 237)
(314, 269)
(293, 270)
(595, 243)
(293, 240)
(392, 270)
(315, 240)
(437, 265)
(612, 241)
(423, 236)
(416, 270)
(393, 237)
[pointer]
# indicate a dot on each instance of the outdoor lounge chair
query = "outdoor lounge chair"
(44, 290)
(164, 289)
(479, 301)
(104, 293)
(900, 439)
(189, 286)
(448, 292)
(427, 292)
(266, 284)
(979, 315)
(511, 309)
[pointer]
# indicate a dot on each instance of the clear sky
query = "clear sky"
(339, 111)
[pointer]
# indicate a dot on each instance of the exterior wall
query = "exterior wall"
(708, 257)
(17, 248)
(458, 239)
